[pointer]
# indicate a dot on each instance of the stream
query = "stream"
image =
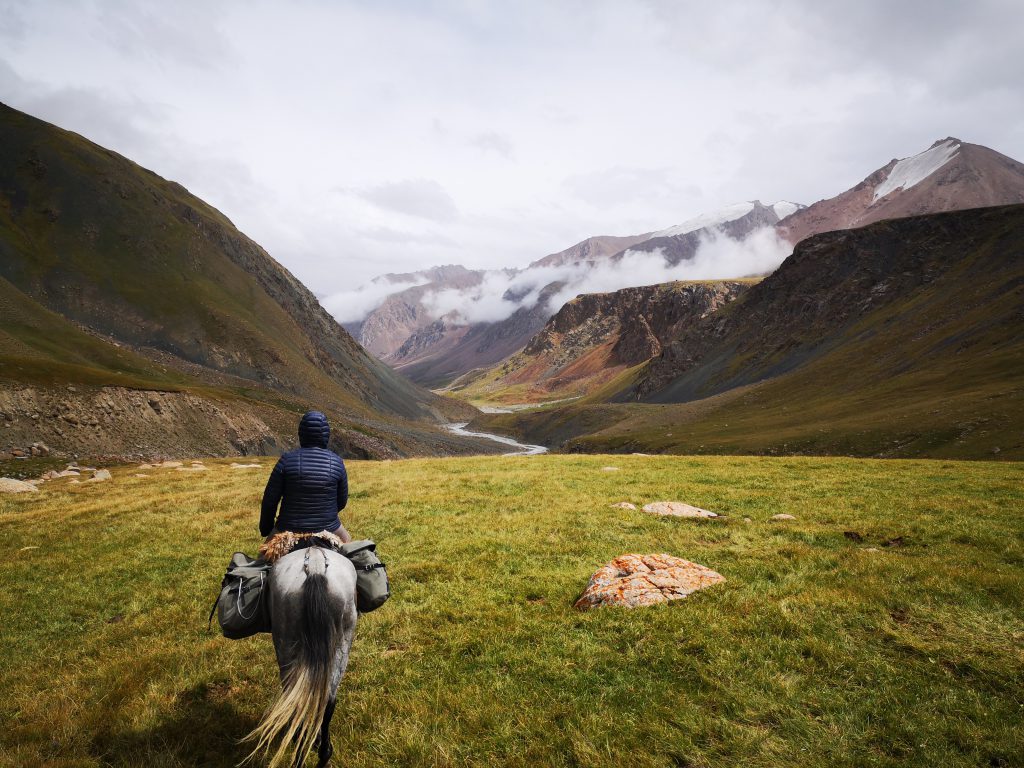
(522, 449)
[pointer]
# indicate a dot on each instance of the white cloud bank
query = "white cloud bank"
(353, 305)
(502, 292)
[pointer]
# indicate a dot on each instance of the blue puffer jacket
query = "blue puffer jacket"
(311, 479)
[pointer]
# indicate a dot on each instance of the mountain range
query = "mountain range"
(900, 338)
(406, 332)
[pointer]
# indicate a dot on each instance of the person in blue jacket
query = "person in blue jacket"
(309, 482)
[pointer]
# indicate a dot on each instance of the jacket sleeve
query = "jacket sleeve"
(342, 487)
(271, 498)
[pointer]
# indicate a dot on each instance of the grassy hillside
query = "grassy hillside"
(38, 346)
(111, 275)
(882, 627)
(943, 293)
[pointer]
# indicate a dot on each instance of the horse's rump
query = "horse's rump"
(313, 616)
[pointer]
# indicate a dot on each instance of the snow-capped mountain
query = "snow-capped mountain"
(409, 332)
(736, 222)
(435, 346)
(950, 175)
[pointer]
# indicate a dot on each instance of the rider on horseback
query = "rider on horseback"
(312, 482)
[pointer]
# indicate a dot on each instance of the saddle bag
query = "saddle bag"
(242, 606)
(372, 587)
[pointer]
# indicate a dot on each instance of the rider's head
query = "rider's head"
(314, 431)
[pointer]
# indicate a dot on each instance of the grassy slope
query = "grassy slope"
(816, 651)
(38, 346)
(88, 238)
(939, 292)
(937, 372)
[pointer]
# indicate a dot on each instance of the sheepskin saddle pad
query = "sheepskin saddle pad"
(280, 544)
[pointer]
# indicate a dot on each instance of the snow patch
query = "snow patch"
(784, 208)
(913, 170)
(710, 219)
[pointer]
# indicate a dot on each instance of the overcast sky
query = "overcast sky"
(357, 138)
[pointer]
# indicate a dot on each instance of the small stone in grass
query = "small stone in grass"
(623, 505)
(782, 517)
(10, 485)
(609, 469)
(677, 509)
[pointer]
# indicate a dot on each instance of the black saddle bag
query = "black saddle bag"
(242, 606)
(372, 587)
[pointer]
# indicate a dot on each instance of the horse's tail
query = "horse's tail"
(295, 716)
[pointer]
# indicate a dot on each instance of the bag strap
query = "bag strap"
(209, 621)
(259, 598)
(369, 567)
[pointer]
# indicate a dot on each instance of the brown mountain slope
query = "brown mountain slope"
(168, 293)
(595, 248)
(432, 351)
(902, 338)
(596, 337)
(441, 352)
(383, 331)
(962, 176)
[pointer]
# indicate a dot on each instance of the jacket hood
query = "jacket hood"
(314, 431)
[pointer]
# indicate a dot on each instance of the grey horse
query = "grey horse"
(313, 620)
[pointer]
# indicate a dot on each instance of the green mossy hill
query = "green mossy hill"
(903, 338)
(111, 275)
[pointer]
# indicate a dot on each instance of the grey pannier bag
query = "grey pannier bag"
(242, 608)
(372, 587)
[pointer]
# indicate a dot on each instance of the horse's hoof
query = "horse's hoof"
(325, 758)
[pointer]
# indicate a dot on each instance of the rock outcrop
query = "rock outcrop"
(597, 336)
(632, 581)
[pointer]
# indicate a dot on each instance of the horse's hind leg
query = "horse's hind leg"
(326, 749)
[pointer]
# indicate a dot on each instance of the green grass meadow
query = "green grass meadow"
(901, 643)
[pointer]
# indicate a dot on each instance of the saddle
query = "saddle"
(372, 585)
(281, 544)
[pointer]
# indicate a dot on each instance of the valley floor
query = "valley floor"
(883, 626)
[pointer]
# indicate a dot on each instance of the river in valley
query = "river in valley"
(521, 449)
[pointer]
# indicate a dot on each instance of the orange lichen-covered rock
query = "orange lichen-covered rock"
(636, 580)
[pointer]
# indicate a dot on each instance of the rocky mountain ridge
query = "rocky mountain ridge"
(595, 337)
(813, 303)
